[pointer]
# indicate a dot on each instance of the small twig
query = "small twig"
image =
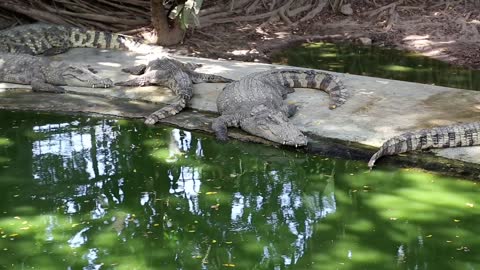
(204, 260)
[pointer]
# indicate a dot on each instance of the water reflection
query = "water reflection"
(103, 194)
(379, 62)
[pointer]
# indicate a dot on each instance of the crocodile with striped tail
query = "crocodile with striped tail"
(255, 103)
(51, 39)
(173, 74)
(439, 137)
(21, 46)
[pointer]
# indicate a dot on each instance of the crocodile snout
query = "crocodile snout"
(103, 83)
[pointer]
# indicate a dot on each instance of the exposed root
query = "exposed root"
(285, 10)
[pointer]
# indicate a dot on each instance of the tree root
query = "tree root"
(285, 10)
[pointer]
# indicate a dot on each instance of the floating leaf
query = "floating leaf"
(214, 241)
(211, 193)
(469, 204)
(229, 264)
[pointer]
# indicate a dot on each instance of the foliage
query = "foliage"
(188, 13)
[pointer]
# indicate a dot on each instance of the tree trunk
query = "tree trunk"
(165, 33)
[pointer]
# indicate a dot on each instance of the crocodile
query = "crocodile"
(457, 135)
(177, 76)
(46, 75)
(50, 39)
(255, 103)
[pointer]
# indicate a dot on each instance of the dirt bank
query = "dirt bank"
(448, 32)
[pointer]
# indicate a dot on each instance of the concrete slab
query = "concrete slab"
(376, 110)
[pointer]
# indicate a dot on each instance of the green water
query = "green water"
(379, 62)
(87, 193)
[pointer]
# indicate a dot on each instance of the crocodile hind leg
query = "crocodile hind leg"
(149, 78)
(198, 77)
(220, 126)
(135, 70)
(55, 51)
(169, 110)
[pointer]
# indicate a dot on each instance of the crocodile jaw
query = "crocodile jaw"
(274, 126)
(74, 75)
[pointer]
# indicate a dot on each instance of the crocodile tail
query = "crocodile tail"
(310, 78)
(105, 40)
(178, 105)
(440, 137)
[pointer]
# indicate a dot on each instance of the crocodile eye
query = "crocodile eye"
(273, 119)
(75, 70)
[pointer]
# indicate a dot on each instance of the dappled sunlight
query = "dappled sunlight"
(397, 68)
(5, 142)
(109, 64)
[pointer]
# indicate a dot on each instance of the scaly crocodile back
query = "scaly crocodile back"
(39, 38)
(301, 78)
(439, 137)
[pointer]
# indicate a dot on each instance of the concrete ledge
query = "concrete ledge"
(376, 110)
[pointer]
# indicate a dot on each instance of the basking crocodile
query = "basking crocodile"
(46, 75)
(173, 74)
(439, 137)
(255, 103)
(50, 39)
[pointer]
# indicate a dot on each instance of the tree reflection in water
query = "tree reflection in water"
(99, 194)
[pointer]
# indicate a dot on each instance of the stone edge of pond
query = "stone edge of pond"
(196, 120)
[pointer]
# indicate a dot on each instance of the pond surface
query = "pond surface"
(89, 193)
(379, 62)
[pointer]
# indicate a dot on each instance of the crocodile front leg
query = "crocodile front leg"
(289, 109)
(220, 126)
(41, 86)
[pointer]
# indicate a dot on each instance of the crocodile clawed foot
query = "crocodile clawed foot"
(150, 121)
(222, 138)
